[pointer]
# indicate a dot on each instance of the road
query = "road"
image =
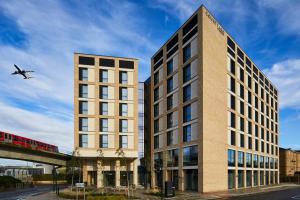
(287, 194)
(24, 193)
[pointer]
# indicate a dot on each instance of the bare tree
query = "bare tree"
(121, 154)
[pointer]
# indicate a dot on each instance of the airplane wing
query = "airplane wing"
(29, 71)
(19, 70)
(25, 77)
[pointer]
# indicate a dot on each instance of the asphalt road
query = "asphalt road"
(288, 194)
(24, 193)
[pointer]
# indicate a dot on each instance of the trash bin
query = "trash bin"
(169, 189)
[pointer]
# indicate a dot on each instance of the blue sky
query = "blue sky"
(43, 35)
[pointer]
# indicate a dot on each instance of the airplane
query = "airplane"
(24, 73)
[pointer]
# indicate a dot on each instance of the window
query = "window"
(126, 64)
(232, 102)
(232, 84)
(232, 137)
(170, 67)
(83, 124)
(123, 141)
(170, 120)
(156, 142)
(231, 157)
(232, 120)
(261, 161)
(83, 74)
(103, 108)
(248, 160)
(187, 53)
(156, 94)
(169, 138)
(256, 144)
(249, 128)
(83, 107)
(172, 158)
(242, 124)
(103, 92)
(249, 142)
(83, 91)
(267, 162)
(156, 77)
(103, 76)
(241, 74)
(231, 179)
(169, 102)
(242, 140)
(240, 178)
(123, 109)
(249, 82)
(103, 141)
(106, 62)
(104, 125)
(123, 125)
(242, 108)
(156, 110)
(187, 93)
(241, 162)
(255, 161)
(83, 140)
(190, 156)
(187, 133)
(249, 98)
(249, 112)
(156, 126)
(242, 91)
(86, 60)
(123, 93)
(187, 73)
(170, 85)
(248, 178)
(123, 77)
(232, 66)
(187, 113)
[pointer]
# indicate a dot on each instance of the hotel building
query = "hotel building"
(214, 117)
(106, 118)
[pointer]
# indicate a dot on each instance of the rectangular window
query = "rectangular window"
(187, 93)
(249, 142)
(242, 124)
(123, 141)
(103, 108)
(123, 77)
(232, 102)
(170, 102)
(126, 64)
(231, 157)
(232, 120)
(248, 178)
(83, 60)
(83, 140)
(232, 137)
(123, 125)
(123, 109)
(106, 62)
(242, 91)
(156, 77)
(241, 74)
(83, 74)
(156, 126)
(187, 115)
(170, 120)
(123, 93)
(255, 161)
(156, 94)
(186, 53)
(256, 144)
(261, 161)
(249, 98)
(83, 124)
(242, 108)
(240, 178)
(242, 140)
(232, 85)
(248, 159)
(156, 142)
(232, 66)
(249, 82)
(231, 179)
(172, 158)
(103, 92)
(255, 178)
(170, 85)
(187, 133)
(103, 141)
(103, 76)
(241, 162)
(187, 73)
(170, 67)
(83, 91)
(190, 156)
(83, 107)
(104, 125)
(169, 138)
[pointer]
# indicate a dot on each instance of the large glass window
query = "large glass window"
(190, 156)
(104, 125)
(124, 125)
(248, 178)
(169, 66)
(170, 85)
(255, 161)
(187, 113)
(103, 76)
(156, 126)
(187, 53)
(103, 141)
(241, 162)
(103, 92)
(255, 178)
(83, 74)
(248, 159)
(240, 178)
(156, 94)
(187, 93)
(103, 108)
(170, 102)
(231, 157)
(156, 142)
(231, 179)
(232, 137)
(261, 178)
(187, 133)
(172, 158)
(83, 124)
(123, 141)
(83, 140)
(83, 91)
(123, 109)
(232, 85)
(123, 93)
(169, 138)
(232, 120)
(187, 73)
(83, 107)
(123, 77)
(232, 102)
(170, 120)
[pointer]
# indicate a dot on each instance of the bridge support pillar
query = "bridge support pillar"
(99, 174)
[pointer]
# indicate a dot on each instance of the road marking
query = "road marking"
(296, 197)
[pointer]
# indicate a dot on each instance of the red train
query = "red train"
(26, 142)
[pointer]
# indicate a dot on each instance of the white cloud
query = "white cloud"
(286, 76)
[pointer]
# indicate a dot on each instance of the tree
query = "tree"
(121, 154)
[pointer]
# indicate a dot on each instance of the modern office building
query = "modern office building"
(214, 113)
(289, 163)
(106, 118)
